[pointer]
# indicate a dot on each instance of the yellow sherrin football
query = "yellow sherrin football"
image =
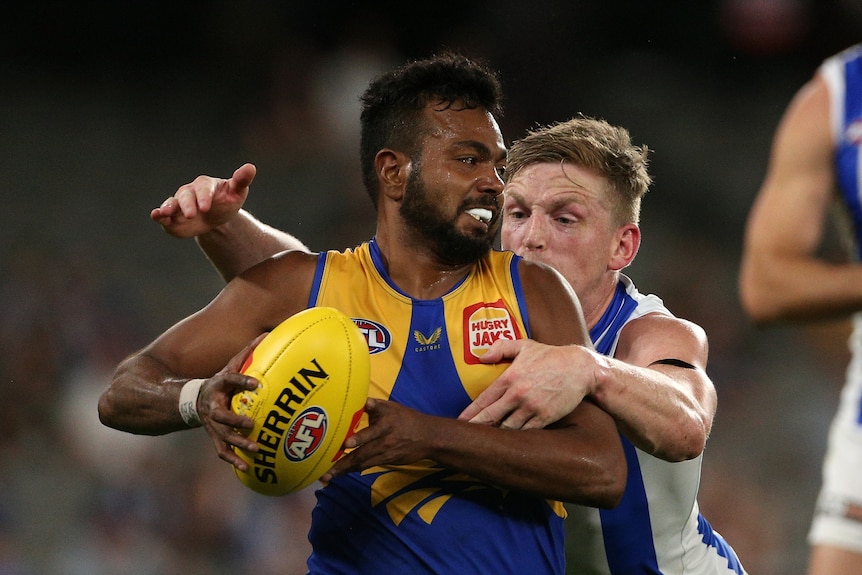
(314, 373)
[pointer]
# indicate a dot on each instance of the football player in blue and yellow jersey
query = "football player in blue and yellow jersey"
(422, 492)
(572, 200)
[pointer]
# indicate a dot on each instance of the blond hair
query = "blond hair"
(593, 144)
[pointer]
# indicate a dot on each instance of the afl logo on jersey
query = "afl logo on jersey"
(376, 335)
(485, 323)
(853, 133)
(306, 434)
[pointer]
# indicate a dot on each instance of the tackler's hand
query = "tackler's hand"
(204, 204)
(543, 384)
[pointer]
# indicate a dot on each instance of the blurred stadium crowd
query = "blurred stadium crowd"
(106, 108)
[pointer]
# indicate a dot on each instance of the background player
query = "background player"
(815, 153)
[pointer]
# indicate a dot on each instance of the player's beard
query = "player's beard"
(440, 232)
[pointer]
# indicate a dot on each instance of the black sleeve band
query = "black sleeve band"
(676, 362)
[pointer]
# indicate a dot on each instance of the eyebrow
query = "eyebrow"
(561, 201)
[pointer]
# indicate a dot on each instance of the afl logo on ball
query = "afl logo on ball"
(306, 434)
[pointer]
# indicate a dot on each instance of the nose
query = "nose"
(491, 183)
(535, 234)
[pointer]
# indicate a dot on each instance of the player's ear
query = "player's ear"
(393, 170)
(627, 241)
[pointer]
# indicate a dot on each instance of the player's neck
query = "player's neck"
(596, 301)
(419, 272)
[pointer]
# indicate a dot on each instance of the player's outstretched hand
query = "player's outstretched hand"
(542, 385)
(204, 204)
(216, 415)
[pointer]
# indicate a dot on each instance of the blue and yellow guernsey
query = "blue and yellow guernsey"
(424, 518)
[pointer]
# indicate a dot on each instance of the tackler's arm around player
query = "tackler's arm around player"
(656, 387)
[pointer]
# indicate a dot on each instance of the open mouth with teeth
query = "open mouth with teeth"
(481, 214)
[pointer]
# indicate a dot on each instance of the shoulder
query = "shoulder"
(851, 55)
(545, 283)
(661, 323)
(538, 272)
(290, 261)
(555, 314)
(811, 105)
(659, 336)
(280, 285)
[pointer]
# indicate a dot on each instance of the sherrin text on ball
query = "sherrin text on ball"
(314, 371)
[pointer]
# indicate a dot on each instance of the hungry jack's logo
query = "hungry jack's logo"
(485, 323)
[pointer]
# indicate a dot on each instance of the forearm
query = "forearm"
(243, 242)
(566, 463)
(797, 289)
(142, 398)
(666, 412)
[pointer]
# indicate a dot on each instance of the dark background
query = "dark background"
(107, 107)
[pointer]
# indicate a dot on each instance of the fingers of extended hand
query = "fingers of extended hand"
(355, 460)
(223, 444)
(157, 216)
(520, 419)
(171, 218)
(543, 384)
(167, 208)
(503, 349)
(194, 197)
(510, 410)
(494, 404)
(243, 176)
(216, 394)
(485, 408)
(374, 430)
(512, 404)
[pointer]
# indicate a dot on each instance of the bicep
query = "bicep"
(791, 206)
(203, 343)
(651, 340)
(656, 337)
(254, 302)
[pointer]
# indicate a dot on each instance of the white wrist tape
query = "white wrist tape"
(189, 402)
